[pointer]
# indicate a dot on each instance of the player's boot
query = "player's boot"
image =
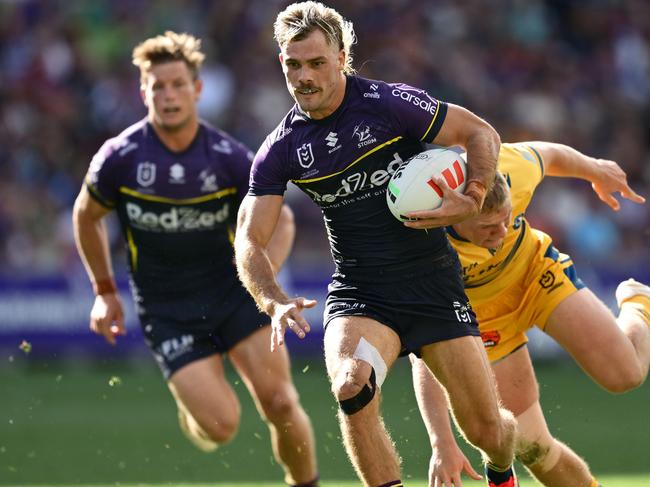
(198, 437)
(636, 295)
(497, 478)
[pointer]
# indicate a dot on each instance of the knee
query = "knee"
(279, 404)
(491, 433)
(223, 428)
(207, 432)
(625, 378)
(350, 379)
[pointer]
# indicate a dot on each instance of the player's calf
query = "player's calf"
(538, 455)
(550, 461)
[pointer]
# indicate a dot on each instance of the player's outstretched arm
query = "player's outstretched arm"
(447, 460)
(279, 247)
(91, 237)
(463, 128)
(606, 177)
(256, 223)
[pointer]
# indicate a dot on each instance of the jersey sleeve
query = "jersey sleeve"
(523, 167)
(101, 178)
(241, 161)
(268, 174)
(537, 157)
(415, 112)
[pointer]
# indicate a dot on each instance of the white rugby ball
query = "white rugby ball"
(412, 188)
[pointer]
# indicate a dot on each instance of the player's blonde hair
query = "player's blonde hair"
(169, 47)
(299, 20)
(498, 195)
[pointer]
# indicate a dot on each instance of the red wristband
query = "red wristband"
(476, 190)
(104, 286)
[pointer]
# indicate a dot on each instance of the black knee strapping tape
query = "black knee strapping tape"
(361, 400)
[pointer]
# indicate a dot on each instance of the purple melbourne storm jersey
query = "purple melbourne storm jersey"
(344, 162)
(177, 210)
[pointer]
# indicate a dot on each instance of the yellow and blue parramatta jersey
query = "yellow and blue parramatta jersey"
(487, 272)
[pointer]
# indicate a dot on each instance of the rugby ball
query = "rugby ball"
(412, 188)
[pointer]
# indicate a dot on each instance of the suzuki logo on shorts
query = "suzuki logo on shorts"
(359, 181)
(452, 182)
(146, 174)
(176, 219)
(305, 155)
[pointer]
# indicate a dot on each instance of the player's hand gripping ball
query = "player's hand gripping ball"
(412, 187)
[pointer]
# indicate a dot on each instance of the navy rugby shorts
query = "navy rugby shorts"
(422, 307)
(181, 331)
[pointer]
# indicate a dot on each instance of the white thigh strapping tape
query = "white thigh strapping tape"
(368, 353)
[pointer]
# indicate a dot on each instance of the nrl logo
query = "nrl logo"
(146, 174)
(305, 155)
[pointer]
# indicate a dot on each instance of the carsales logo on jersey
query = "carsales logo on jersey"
(425, 104)
(177, 219)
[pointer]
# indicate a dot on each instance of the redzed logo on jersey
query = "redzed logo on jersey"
(491, 338)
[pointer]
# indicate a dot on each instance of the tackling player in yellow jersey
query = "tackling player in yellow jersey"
(516, 279)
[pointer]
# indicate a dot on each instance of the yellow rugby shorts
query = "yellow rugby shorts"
(527, 302)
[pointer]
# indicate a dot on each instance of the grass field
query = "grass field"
(607, 480)
(62, 423)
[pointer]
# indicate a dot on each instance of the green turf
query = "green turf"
(62, 423)
(608, 480)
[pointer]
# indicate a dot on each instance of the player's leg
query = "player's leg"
(268, 377)
(613, 352)
(550, 461)
(192, 364)
(633, 300)
(358, 353)
(461, 366)
(208, 409)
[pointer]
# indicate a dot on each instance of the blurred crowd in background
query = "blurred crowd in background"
(576, 72)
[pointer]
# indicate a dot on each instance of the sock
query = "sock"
(640, 304)
(393, 483)
(313, 483)
(498, 477)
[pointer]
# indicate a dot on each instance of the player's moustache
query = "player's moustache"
(302, 88)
